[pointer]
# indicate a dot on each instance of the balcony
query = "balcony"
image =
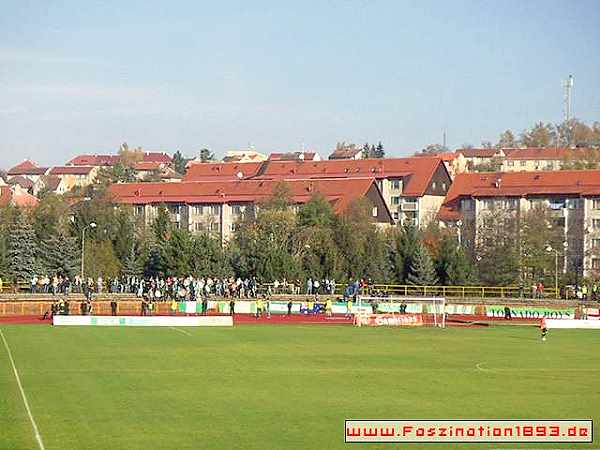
(408, 206)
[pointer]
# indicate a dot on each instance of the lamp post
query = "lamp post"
(556, 253)
(91, 225)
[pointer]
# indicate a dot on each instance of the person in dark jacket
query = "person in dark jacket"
(113, 306)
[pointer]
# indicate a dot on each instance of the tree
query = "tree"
(379, 151)
(403, 243)
(496, 248)
(317, 212)
(132, 266)
(128, 157)
(540, 135)
(538, 232)
(452, 265)
(179, 162)
(100, 259)
(507, 140)
(208, 257)
(264, 240)
(588, 161)
(22, 255)
(119, 173)
(206, 155)
(434, 148)
(59, 253)
(422, 270)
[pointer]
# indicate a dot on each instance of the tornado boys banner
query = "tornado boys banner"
(531, 312)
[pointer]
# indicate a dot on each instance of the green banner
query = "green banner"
(531, 312)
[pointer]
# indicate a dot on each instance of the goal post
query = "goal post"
(401, 311)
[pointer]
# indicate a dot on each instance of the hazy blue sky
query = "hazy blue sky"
(83, 76)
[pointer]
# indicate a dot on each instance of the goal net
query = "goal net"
(400, 311)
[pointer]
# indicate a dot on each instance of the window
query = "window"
(395, 184)
(374, 211)
(596, 224)
(444, 187)
(468, 204)
(214, 227)
(197, 210)
(198, 227)
(487, 203)
(557, 203)
(215, 210)
(595, 263)
(395, 215)
(596, 243)
(573, 203)
(596, 203)
(510, 163)
(395, 201)
(434, 185)
(522, 163)
(511, 203)
(233, 227)
(138, 210)
(236, 210)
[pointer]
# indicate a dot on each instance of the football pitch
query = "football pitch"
(278, 387)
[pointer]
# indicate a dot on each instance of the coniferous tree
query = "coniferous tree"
(422, 269)
(132, 266)
(22, 262)
(59, 254)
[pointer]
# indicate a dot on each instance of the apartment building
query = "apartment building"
(477, 156)
(74, 176)
(412, 188)
(105, 160)
(216, 206)
(571, 197)
(535, 159)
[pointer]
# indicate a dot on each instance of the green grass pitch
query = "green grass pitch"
(277, 387)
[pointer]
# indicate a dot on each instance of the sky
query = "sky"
(84, 76)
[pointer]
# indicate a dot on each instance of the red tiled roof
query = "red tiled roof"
(292, 156)
(345, 153)
(71, 170)
(27, 167)
(111, 160)
(94, 160)
(21, 181)
(478, 152)
(340, 192)
(221, 171)
(418, 170)
(540, 153)
(16, 197)
(519, 184)
(52, 183)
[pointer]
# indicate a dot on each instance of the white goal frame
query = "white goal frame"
(431, 305)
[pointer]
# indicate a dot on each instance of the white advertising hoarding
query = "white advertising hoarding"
(145, 321)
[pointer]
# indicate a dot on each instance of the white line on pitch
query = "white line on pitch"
(181, 331)
(38, 437)
(482, 369)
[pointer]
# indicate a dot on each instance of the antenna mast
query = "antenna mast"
(568, 85)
